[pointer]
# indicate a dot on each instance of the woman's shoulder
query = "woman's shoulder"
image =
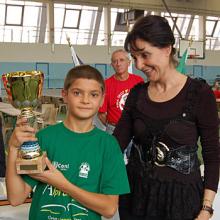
(201, 88)
(139, 86)
(200, 82)
(136, 93)
(199, 85)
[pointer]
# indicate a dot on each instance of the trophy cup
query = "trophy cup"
(24, 88)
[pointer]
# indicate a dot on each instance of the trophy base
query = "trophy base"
(36, 165)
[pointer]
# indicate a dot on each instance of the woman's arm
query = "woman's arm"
(124, 129)
(208, 127)
(206, 210)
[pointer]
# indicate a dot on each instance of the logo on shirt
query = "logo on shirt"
(121, 99)
(84, 170)
(61, 166)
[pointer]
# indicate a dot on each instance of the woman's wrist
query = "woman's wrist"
(208, 209)
(207, 202)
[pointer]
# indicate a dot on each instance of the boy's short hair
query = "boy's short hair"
(83, 72)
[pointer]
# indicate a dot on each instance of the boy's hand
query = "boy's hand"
(51, 176)
(22, 133)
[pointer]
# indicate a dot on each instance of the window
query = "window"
(71, 18)
(19, 21)
(68, 21)
(14, 15)
(210, 27)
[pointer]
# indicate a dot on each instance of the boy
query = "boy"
(85, 172)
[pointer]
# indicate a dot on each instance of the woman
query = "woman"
(165, 117)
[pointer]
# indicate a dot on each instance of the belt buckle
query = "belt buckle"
(161, 154)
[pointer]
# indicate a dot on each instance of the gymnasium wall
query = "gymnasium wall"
(56, 60)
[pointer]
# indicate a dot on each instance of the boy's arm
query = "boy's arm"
(105, 205)
(17, 189)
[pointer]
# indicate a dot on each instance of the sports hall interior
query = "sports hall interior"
(46, 35)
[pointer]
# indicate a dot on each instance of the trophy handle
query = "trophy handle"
(7, 85)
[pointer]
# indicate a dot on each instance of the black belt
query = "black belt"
(184, 159)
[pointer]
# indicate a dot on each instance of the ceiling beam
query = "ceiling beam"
(195, 7)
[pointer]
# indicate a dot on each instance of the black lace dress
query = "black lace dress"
(170, 191)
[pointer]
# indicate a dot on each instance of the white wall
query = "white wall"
(16, 52)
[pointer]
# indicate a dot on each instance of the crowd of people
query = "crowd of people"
(161, 120)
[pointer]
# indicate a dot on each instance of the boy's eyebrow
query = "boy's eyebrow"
(95, 90)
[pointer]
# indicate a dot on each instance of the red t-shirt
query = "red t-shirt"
(217, 94)
(116, 93)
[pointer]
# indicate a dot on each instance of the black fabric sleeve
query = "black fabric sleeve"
(208, 128)
(124, 129)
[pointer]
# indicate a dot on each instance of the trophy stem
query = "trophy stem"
(30, 149)
(27, 113)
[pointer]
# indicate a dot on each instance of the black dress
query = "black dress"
(169, 191)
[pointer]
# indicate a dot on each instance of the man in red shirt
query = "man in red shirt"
(216, 90)
(118, 87)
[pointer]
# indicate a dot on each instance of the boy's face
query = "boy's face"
(84, 98)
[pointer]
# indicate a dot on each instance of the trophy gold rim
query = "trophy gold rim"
(23, 73)
(25, 76)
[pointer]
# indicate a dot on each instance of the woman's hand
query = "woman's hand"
(203, 215)
(22, 133)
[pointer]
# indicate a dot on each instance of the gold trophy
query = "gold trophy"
(24, 88)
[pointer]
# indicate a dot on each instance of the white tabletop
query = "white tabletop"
(8, 212)
(56, 93)
(10, 110)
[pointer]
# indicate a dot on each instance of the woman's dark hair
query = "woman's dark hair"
(83, 72)
(153, 29)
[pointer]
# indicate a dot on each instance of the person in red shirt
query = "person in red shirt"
(216, 90)
(117, 89)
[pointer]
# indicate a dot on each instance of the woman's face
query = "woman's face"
(152, 61)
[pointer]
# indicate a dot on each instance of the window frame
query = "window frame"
(22, 15)
(79, 17)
